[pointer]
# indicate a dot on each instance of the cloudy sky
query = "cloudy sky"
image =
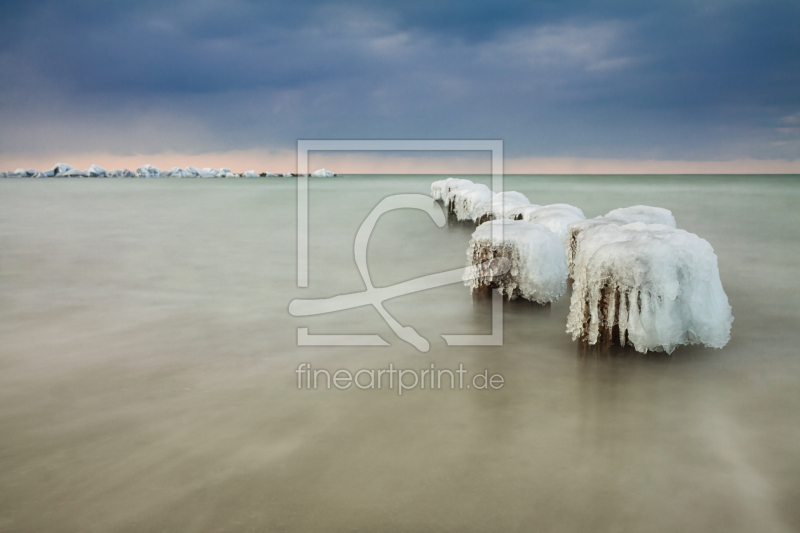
(569, 84)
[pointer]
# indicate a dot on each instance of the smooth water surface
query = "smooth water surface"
(147, 369)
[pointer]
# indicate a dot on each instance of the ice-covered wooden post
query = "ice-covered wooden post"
(617, 217)
(498, 206)
(521, 259)
(555, 217)
(462, 201)
(649, 286)
(441, 188)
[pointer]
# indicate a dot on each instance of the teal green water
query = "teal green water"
(147, 369)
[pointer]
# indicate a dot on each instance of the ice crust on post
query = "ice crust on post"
(643, 213)
(440, 189)
(534, 255)
(555, 217)
(659, 285)
(617, 217)
(499, 205)
(463, 200)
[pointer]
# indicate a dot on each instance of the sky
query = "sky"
(569, 86)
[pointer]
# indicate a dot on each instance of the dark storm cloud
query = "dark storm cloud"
(584, 78)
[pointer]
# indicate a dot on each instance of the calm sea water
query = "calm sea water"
(147, 370)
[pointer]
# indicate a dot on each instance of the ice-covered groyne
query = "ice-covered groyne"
(63, 170)
(499, 205)
(643, 213)
(647, 285)
(462, 200)
(521, 259)
(441, 188)
(555, 217)
(617, 217)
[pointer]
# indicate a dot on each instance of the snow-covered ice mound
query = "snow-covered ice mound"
(148, 171)
(575, 231)
(499, 205)
(555, 217)
(72, 173)
(537, 269)
(250, 174)
(462, 201)
(440, 189)
(659, 285)
(618, 217)
(322, 173)
(96, 171)
(61, 168)
(643, 213)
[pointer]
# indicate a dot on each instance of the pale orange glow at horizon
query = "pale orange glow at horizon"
(361, 163)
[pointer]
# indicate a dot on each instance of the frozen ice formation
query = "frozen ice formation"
(96, 171)
(322, 173)
(61, 168)
(148, 171)
(499, 205)
(555, 217)
(658, 285)
(618, 217)
(440, 189)
(531, 256)
(144, 171)
(24, 173)
(462, 200)
(640, 213)
(176, 172)
(643, 213)
(287, 175)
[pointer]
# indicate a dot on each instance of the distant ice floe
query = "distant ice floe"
(145, 171)
(322, 173)
(148, 171)
(95, 171)
(62, 168)
(658, 285)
